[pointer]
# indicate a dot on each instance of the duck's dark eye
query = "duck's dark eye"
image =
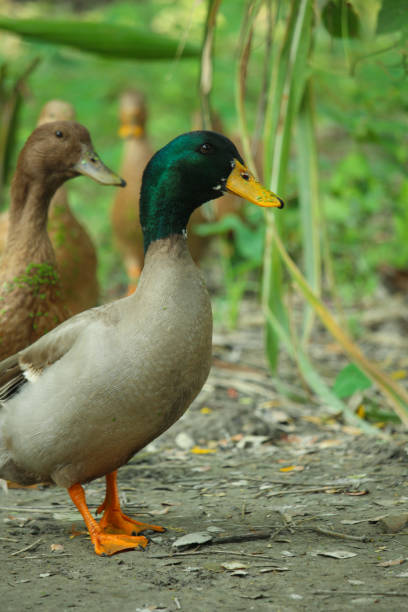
(59, 134)
(245, 176)
(206, 148)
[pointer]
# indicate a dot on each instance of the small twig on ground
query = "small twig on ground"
(337, 534)
(340, 489)
(244, 537)
(30, 547)
(8, 540)
(364, 593)
(277, 532)
(213, 551)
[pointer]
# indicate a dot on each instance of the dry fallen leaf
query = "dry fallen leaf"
(192, 539)
(330, 443)
(391, 562)
(234, 565)
(57, 547)
(232, 393)
(337, 554)
(202, 451)
(160, 512)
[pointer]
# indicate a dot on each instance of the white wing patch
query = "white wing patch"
(32, 374)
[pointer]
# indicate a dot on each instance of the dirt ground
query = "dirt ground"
(299, 510)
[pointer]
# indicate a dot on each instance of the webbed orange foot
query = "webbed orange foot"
(110, 544)
(104, 543)
(113, 519)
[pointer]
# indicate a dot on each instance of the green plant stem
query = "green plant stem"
(308, 181)
(286, 89)
(206, 69)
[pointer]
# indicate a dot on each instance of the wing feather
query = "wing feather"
(27, 365)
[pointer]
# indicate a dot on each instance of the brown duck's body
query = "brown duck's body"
(31, 299)
(31, 295)
(75, 253)
(125, 212)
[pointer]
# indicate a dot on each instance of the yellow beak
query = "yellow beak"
(243, 183)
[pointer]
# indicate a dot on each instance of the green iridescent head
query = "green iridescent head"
(192, 169)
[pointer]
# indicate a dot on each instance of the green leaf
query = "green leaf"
(393, 16)
(111, 40)
(340, 19)
(248, 242)
(350, 380)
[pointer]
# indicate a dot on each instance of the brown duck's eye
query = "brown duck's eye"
(206, 148)
(59, 134)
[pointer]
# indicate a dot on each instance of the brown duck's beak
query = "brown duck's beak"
(91, 165)
(243, 183)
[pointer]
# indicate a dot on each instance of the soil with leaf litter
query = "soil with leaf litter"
(285, 506)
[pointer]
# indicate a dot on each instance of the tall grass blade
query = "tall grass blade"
(308, 189)
(206, 69)
(286, 89)
(396, 395)
(244, 51)
(106, 39)
(316, 383)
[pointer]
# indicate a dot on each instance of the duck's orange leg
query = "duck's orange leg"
(104, 543)
(113, 519)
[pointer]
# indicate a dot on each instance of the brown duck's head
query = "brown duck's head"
(132, 114)
(60, 150)
(56, 110)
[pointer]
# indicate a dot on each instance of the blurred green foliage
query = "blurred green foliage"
(350, 380)
(361, 94)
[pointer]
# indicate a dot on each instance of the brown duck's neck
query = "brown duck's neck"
(27, 234)
(135, 150)
(59, 201)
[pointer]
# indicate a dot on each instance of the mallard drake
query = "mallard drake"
(30, 293)
(74, 252)
(125, 212)
(82, 400)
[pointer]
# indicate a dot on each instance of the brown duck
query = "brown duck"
(74, 252)
(31, 299)
(82, 400)
(125, 212)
